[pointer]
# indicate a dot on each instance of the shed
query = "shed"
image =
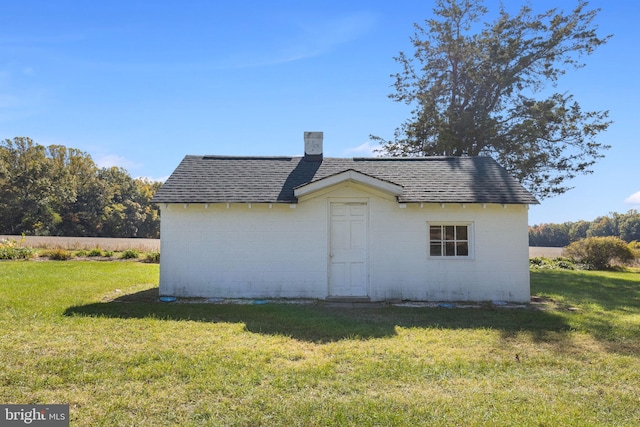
(365, 229)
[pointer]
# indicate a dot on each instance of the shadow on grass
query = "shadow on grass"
(588, 288)
(607, 303)
(319, 323)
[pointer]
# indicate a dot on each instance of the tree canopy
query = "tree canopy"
(484, 90)
(623, 226)
(60, 191)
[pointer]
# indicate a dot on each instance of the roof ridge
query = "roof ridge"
(220, 157)
(396, 159)
(420, 158)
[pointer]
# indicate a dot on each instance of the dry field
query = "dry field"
(149, 245)
(87, 243)
(545, 252)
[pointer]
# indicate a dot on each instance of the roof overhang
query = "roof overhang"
(349, 176)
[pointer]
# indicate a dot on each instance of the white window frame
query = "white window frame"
(470, 240)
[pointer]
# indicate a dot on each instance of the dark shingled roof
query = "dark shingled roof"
(223, 179)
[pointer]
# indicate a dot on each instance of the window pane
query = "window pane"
(449, 240)
(461, 232)
(450, 248)
(449, 232)
(435, 232)
(462, 249)
(436, 249)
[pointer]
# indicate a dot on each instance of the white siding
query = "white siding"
(279, 251)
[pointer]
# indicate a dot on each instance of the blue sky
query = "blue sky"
(140, 84)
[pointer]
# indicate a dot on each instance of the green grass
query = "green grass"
(69, 335)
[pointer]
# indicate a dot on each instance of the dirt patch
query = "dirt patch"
(546, 303)
(152, 295)
(537, 302)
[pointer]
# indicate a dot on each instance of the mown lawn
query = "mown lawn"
(68, 336)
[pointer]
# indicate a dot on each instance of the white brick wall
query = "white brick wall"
(276, 251)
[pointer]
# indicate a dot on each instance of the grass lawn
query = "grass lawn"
(68, 336)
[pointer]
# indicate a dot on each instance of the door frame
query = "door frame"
(367, 204)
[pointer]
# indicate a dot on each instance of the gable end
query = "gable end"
(349, 176)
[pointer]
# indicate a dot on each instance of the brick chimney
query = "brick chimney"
(313, 146)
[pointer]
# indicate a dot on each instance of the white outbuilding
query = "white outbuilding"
(359, 229)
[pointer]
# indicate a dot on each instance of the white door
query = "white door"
(348, 250)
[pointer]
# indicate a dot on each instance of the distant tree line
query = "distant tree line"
(60, 191)
(625, 226)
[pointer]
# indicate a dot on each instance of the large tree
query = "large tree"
(57, 190)
(26, 188)
(485, 90)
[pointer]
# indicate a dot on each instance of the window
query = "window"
(449, 240)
